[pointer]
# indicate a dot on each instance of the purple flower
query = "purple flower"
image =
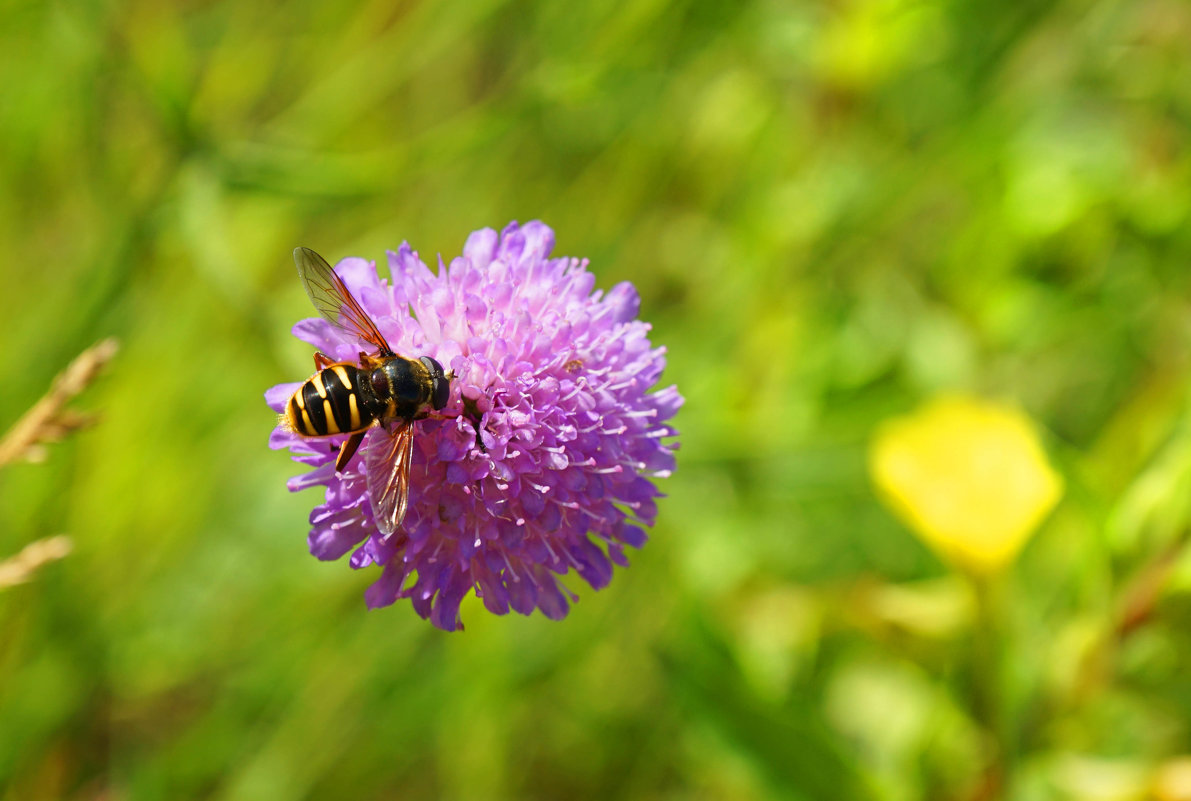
(542, 460)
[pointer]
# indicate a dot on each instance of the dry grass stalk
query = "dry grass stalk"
(48, 420)
(20, 568)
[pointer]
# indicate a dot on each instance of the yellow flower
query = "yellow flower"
(967, 476)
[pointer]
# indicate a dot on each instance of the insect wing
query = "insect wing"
(334, 301)
(387, 468)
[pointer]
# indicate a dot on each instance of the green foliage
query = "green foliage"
(832, 212)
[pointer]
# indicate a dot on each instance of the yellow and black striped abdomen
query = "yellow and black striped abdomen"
(333, 401)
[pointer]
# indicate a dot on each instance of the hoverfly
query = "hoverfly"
(385, 390)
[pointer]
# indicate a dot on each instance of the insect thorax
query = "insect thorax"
(405, 383)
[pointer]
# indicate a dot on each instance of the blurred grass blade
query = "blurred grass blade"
(791, 745)
(48, 420)
(20, 568)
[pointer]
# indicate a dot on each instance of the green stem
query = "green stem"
(988, 695)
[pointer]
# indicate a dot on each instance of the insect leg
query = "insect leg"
(321, 361)
(370, 362)
(348, 449)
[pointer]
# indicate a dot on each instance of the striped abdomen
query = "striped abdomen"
(334, 401)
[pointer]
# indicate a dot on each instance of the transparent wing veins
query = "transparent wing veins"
(334, 301)
(387, 468)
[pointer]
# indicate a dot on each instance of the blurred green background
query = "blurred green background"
(833, 211)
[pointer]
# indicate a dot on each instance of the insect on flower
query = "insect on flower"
(384, 390)
(536, 453)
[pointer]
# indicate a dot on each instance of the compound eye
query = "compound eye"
(442, 386)
(432, 365)
(380, 383)
(442, 392)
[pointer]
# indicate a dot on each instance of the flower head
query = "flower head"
(968, 476)
(542, 460)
